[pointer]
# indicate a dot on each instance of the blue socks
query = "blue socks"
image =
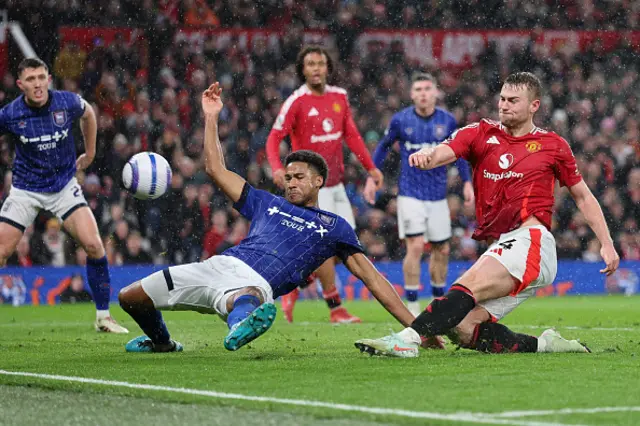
(412, 295)
(153, 325)
(242, 307)
(437, 291)
(99, 281)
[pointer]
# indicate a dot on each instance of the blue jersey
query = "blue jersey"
(286, 243)
(45, 151)
(415, 132)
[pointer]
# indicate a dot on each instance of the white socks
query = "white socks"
(102, 314)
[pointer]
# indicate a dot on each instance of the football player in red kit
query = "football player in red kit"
(318, 117)
(515, 169)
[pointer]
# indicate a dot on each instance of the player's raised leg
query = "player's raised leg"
(137, 303)
(327, 275)
(81, 224)
(249, 317)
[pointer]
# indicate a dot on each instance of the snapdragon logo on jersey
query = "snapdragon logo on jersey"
(50, 141)
(327, 127)
(417, 146)
(297, 223)
(505, 161)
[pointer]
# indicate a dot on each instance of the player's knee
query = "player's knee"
(251, 291)
(127, 298)
(462, 334)
(443, 249)
(415, 248)
(94, 248)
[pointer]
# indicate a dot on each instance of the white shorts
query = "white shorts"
(21, 207)
(431, 219)
(529, 254)
(204, 286)
(334, 199)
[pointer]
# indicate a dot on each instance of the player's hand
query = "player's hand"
(469, 196)
(369, 192)
(278, 178)
(83, 162)
(422, 159)
(610, 257)
(211, 100)
(435, 342)
(377, 177)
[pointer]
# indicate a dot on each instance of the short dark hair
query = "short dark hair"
(311, 49)
(525, 79)
(422, 76)
(31, 63)
(313, 159)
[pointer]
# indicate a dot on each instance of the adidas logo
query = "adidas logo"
(313, 112)
(493, 140)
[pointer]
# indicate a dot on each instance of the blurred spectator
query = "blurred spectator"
(135, 253)
(76, 291)
(146, 93)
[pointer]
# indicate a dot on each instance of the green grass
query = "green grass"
(316, 361)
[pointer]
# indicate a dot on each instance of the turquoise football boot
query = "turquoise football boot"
(252, 327)
(144, 344)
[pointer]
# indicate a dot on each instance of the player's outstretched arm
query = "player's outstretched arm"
(378, 285)
(229, 182)
(89, 128)
(592, 212)
(430, 158)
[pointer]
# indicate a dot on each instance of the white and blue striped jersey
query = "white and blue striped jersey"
(45, 150)
(286, 243)
(414, 132)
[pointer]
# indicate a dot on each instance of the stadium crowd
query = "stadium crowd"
(146, 95)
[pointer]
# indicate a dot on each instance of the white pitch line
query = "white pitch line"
(563, 411)
(457, 417)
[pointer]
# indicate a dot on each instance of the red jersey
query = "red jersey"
(513, 177)
(318, 123)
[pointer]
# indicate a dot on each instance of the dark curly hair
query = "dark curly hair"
(311, 49)
(313, 159)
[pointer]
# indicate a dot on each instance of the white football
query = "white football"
(147, 175)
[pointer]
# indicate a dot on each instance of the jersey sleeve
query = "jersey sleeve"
(75, 104)
(281, 128)
(348, 244)
(566, 169)
(387, 141)
(4, 123)
(461, 141)
(252, 201)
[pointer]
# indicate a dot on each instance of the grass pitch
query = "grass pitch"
(309, 373)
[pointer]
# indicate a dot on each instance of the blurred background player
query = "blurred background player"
(289, 238)
(44, 174)
(318, 117)
(516, 165)
(423, 211)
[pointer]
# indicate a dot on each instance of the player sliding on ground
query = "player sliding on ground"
(515, 166)
(289, 238)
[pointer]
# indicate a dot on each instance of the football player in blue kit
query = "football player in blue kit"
(288, 239)
(423, 210)
(44, 174)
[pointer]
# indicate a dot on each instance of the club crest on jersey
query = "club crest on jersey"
(326, 219)
(440, 131)
(337, 107)
(533, 146)
(22, 124)
(59, 118)
(327, 125)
